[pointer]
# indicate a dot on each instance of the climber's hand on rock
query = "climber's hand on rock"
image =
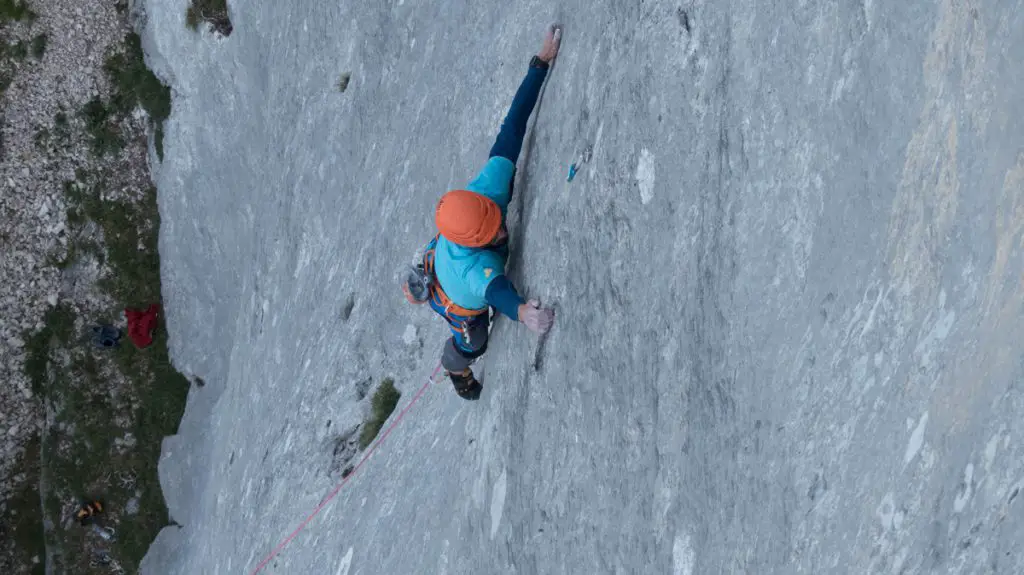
(552, 41)
(537, 319)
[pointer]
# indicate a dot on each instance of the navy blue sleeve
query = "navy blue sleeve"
(513, 129)
(503, 296)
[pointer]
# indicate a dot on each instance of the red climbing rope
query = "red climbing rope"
(330, 496)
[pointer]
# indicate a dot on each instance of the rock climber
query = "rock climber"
(463, 268)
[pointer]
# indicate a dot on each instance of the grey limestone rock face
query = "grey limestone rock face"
(788, 281)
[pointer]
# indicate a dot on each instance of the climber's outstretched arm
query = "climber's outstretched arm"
(513, 129)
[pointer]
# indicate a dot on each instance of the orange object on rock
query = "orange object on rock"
(468, 218)
(141, 325)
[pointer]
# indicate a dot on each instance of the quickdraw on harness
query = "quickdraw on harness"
(440, 300)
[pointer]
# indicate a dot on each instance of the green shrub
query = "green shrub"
(18, 50)
(39, 45)
(15, 11)
(384, 401)
(59, 324)
(135, 84)
(104, 133)
(213, 11)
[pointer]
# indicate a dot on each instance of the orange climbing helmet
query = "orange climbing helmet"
(468, 218)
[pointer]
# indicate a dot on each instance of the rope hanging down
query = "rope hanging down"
(316, 511)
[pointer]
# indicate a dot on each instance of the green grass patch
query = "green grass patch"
(23, 518)
(26, 504)
(47, 139)
(61, 127)
(136, 85)
(104, 134)
(129, 238)
(133, 85)
(383, 403)
(58, 328)
(192, 18)
(39, 46)
(15, 11)
(100, 395)
(17, 51)
(163, 394)
(133, 252)
(87, 463)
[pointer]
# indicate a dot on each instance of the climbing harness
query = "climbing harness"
(446, 308)
(437, 294)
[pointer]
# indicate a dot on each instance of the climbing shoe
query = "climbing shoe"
(465, 384)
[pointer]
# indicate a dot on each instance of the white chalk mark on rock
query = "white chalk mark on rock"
(409, 337)
(961, 500)
(645, 175)
(916, 440)
(886, 511)
(990, 451)
(682, 555)
(346, 563)
(497, 503)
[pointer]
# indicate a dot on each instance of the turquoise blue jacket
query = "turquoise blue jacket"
(475, 277)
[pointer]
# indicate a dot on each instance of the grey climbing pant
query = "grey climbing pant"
(457, 358)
